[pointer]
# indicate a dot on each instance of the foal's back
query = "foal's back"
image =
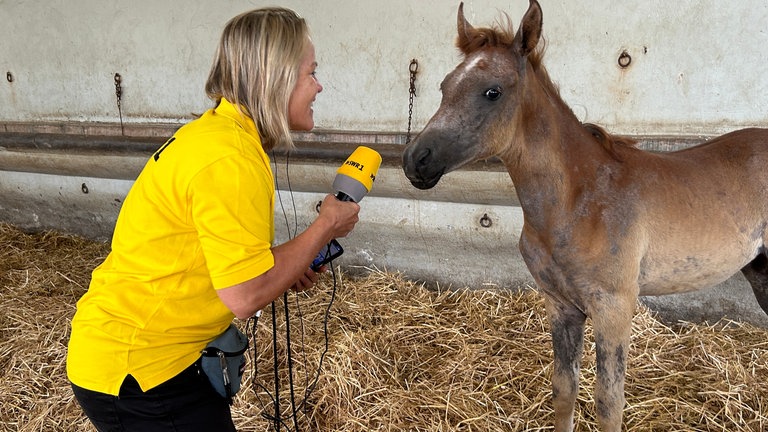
(703, 210)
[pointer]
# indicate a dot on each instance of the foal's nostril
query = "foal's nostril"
(424, 158)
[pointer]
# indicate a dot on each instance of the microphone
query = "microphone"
(355, 176)
(353, 181)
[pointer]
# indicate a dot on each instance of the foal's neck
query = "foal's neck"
(551, 153)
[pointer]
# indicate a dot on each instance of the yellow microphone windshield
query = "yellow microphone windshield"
(362, 165)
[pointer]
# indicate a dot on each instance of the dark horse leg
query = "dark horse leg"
(567, 324)
(756, 273)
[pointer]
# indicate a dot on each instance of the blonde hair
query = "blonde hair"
(256, 67)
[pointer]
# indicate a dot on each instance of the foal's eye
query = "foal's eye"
(493, 94)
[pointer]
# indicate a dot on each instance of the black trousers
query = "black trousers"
(185, 403)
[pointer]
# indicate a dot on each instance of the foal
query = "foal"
(604, 221)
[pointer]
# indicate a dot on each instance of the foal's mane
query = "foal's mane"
(502, 34)
(608, 141)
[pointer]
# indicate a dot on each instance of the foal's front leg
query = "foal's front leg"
(612, 324)
(567, 324)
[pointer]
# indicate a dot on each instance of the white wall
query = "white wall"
(699, 67)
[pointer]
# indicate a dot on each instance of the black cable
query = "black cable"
(311, 387)
(277, 369)
(254, 382)
(293, 202)
(254, 320)
(276, 418)
(280, 198)
(251, 327)
(304, 352)
(290, 361)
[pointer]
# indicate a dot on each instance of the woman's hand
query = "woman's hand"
(340, 215)
(308, 279)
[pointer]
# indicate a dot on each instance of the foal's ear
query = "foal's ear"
(466, 31)
(527, 36)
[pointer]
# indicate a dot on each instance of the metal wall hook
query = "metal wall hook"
(624, 60)
(486, 221)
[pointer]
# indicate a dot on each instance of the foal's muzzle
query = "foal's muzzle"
(420, 168)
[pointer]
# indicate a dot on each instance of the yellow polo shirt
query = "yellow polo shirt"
(199, 217)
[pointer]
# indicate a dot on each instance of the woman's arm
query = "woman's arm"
(292, 260)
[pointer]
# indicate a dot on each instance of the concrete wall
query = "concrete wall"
(698, 66)
(697, 70)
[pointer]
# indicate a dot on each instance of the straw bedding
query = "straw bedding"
(399, 356)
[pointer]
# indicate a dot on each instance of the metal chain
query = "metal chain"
(119, 96)
(413, 68)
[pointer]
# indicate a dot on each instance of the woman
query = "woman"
(192, 247)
